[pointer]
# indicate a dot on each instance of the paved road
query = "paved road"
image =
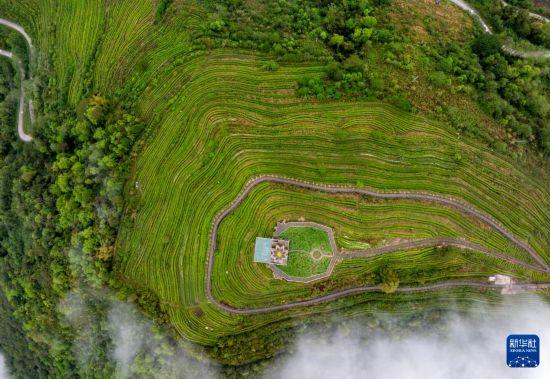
(351, 190)
(514, 52)
(21, 112)
(359, 290)
(406, 245)
(443, 241)
(7, 54)
(531, 14)
(18, 28)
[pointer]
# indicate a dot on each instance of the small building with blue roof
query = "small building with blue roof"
(271, 251)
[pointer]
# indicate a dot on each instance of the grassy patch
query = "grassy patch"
(307, 239)
(306, 244)
(301, 264)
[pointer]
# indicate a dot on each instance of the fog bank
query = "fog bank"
(3, 369)
(473, 346)
(134, 341)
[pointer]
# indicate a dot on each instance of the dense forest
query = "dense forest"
(60, 203)
(61, 198)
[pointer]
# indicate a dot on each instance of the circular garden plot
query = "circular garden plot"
(311, 249)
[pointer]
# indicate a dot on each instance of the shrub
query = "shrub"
(486, 44)
(402, 103)
(439, 79)
(500, 146)
(162, 7)
(524, 130)
(388, 279)
(270, 66)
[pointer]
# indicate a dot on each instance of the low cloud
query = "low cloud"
(136, 346)
(136, 343)
(463, 346)
(3, 368)
(83, 315)
(129, 335)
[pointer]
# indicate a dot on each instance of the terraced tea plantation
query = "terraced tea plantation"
(230, 122)
(218, 119)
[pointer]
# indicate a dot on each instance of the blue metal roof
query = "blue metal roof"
(262, 250)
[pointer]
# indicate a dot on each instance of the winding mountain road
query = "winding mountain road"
(466, 209)
(510, 50)
(18, 28)
(7, 54)
(407, 245)
(443, 241)
(531, 14)
(21, 111)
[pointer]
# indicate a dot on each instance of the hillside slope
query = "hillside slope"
(185, 113)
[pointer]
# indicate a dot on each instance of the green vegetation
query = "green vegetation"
(154, 115)
(388, 279)
(509, 90)
(307, 239)
(240, 282)
(58, 225)
(301, 264)
(310, 252)
(162, 8)
(514, 21)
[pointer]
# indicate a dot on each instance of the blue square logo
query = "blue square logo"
(522, 350)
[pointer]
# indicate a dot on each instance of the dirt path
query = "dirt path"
(21, 112)
(467, 209)
(508, 49)
(407, 245)
(443, 241)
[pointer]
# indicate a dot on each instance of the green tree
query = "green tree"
(486, 44)
(337, 40)
(387, 279)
